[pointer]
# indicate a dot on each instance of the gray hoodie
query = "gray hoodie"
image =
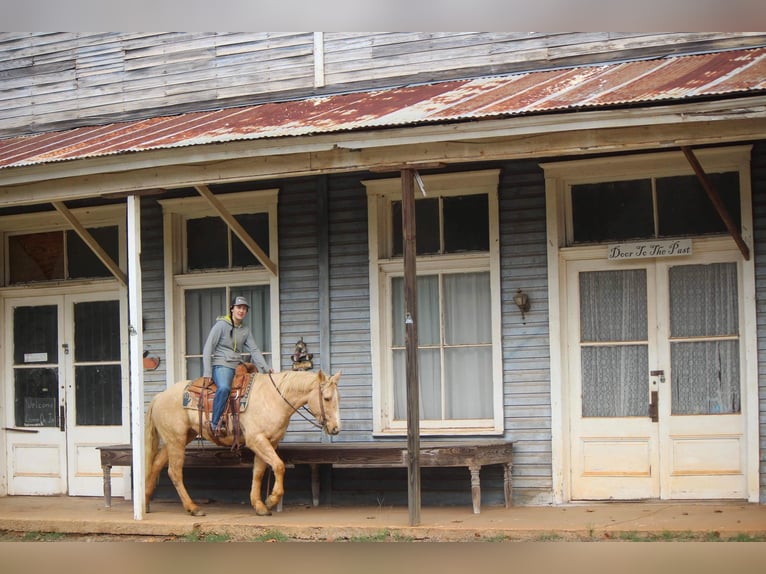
(228, 345)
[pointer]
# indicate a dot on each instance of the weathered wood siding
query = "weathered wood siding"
(65, 79)
(526, 355)
(759, 252)
(153, 295)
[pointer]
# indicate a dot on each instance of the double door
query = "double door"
(656, 368)
(66, 391)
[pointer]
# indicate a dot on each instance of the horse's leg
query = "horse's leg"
(159, 462)
(266, 455)
(259, 468)
(176, 456)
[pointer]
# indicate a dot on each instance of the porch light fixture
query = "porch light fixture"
(522, 302)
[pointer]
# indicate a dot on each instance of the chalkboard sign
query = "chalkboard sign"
(40, 412)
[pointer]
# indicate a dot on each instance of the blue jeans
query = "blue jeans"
(222, 377)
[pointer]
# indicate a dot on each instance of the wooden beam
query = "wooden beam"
(237, 228)
(716, 200)
(91, 242)
(411, 345)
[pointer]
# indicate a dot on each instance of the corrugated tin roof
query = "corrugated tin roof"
(662, 80)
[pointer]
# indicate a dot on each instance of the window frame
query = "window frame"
(89, 217)
(563, 175)
(178, 279)
(383, 267)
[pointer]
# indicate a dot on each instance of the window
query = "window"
(210, 265)
(458, 285)
(649, 197)
(203, 306)
(41, 247)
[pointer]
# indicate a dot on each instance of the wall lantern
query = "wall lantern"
(522, 302)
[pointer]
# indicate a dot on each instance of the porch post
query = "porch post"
(135, 320)
(411, 345)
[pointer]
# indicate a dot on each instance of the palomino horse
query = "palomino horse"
(273, 399)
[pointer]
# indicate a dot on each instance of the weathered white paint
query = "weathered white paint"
(135, 312)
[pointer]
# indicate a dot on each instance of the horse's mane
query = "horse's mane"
(285, 380)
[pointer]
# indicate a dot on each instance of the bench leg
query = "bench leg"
(107, 470)
(314, 484)
(475, 488)
(507, 484)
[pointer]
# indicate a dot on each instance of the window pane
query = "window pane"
(427, 236)
(35, 332)
(429, 374)
(202, 308)
(612, 211)
(82, 261)
(36, 397)
(257, 225)
(467, 311)
(259, 317)
(428, 310)
(614, 381)
(613, 306)
(684, 207)
(466, 223)
(703, 300)
(98, 395)
(468, 383)
(207, 243)
(36, 257)
(97, 331)
(705, 378)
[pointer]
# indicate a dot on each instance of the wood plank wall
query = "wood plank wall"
(59, 80)
(758, 182)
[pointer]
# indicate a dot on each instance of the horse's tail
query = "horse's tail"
(151, 441)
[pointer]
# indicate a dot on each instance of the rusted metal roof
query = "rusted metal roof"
(663, 80)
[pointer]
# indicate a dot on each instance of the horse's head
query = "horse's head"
(325, 405)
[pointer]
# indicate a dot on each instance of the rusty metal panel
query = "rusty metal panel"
(671, 79)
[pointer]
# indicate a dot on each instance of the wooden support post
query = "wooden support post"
(411, 345)
(716, 200)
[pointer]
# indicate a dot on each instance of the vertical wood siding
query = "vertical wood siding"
(758, 166)
(153, 295)
(526, 369)
(350, 303)
(299, 282)
(64, 79)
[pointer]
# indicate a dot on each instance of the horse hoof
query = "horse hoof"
(197, 512)
(264, 512)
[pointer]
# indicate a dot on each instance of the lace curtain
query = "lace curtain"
(705, 371)
(614, 348)
(454, 346)
(704, 341)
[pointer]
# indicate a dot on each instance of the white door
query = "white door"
(656, 379)
(67, 392)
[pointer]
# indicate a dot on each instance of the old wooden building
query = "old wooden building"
(616, 180)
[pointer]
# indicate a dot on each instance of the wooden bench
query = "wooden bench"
(472, 455)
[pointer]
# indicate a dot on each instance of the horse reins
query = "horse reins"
(322, 419)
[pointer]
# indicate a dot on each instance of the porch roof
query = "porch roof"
(672, 79)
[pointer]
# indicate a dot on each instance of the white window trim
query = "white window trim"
(89, 217)
(559, 178)
(382, 267)
(175, 213)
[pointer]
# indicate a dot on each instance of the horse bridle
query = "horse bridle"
(323, 417)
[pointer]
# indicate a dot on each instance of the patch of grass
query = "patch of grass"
(744, 537)
(43, 536)
(495, 538)
(272, 536)
(379, 536)
(548, 537)
(216, 537)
